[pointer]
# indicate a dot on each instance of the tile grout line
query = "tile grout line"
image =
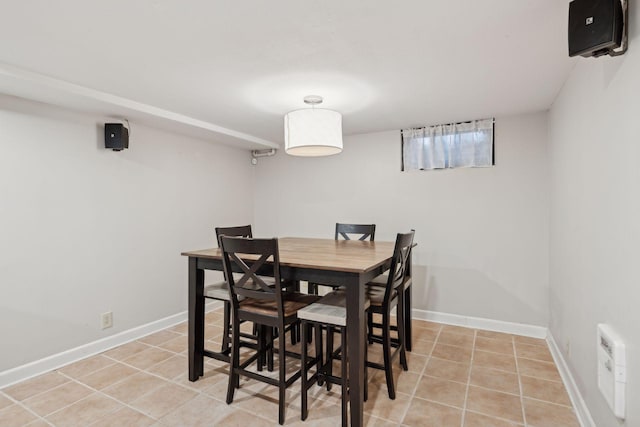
(168, 380)
(515, 354)
(543, 379)
(468, 381)
(128, 405)
(466, 393)
(550, 403)
(94, 390)
(483, 388)
(59, 386)
(171, 380)
(424, 368)
(23, 406)
(475, 411)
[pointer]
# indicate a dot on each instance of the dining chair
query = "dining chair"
(348, 232)
(383, 298)
(266, 302)
(220, 290)
(408, 315)
(327, 313)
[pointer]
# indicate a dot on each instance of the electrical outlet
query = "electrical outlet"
(107, 320)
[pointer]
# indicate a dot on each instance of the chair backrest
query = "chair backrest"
(365, 231)
(240, 231)
(399, 263)
(247, 256)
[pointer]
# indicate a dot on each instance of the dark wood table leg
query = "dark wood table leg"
(356, 336)
(196, 320)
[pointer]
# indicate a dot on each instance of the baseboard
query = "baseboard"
(481, 323)
(56, 361)
(582, 412)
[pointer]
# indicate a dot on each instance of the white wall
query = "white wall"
(482, 233)
(84, 230)
(595, 218)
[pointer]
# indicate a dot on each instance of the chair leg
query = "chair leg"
(344, 383)
(235, 360)
(269, 355)
(386, 350)
(227, 326)
(303, 377)
(320, 353)
(282, 379)
(295, 327)
(294, 331)
(329, 358)
(261, 347)
(408, 318)
(369, 327)
(318, 338)
(309, 334)
(401, 333)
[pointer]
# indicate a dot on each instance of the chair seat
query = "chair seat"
(330, 309)
(220, 290)
(375, 293)
(382, 280)
(292, 303)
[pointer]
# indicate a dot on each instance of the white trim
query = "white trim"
(582, 411)
(481, 323)
(55, 361)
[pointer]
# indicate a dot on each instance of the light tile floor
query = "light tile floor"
(457, 377)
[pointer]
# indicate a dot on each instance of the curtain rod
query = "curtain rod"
(493, 120)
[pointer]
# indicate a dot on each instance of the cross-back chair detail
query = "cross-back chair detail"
(399, 263)
(365, 231)
(267, 249)
(348, 232)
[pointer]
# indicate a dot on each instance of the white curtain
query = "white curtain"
(457, 145)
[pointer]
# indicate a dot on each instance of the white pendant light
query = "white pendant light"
(313, 131)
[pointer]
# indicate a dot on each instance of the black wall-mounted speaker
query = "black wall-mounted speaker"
(116, 136)
(595, 27)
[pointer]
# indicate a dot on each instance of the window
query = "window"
(457, 145)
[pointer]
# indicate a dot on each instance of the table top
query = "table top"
(352, 256)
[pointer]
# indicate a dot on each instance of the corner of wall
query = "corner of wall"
(580, 406)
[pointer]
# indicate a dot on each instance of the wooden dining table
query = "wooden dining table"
(348, 263)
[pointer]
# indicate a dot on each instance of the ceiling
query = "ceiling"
(239, 66)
